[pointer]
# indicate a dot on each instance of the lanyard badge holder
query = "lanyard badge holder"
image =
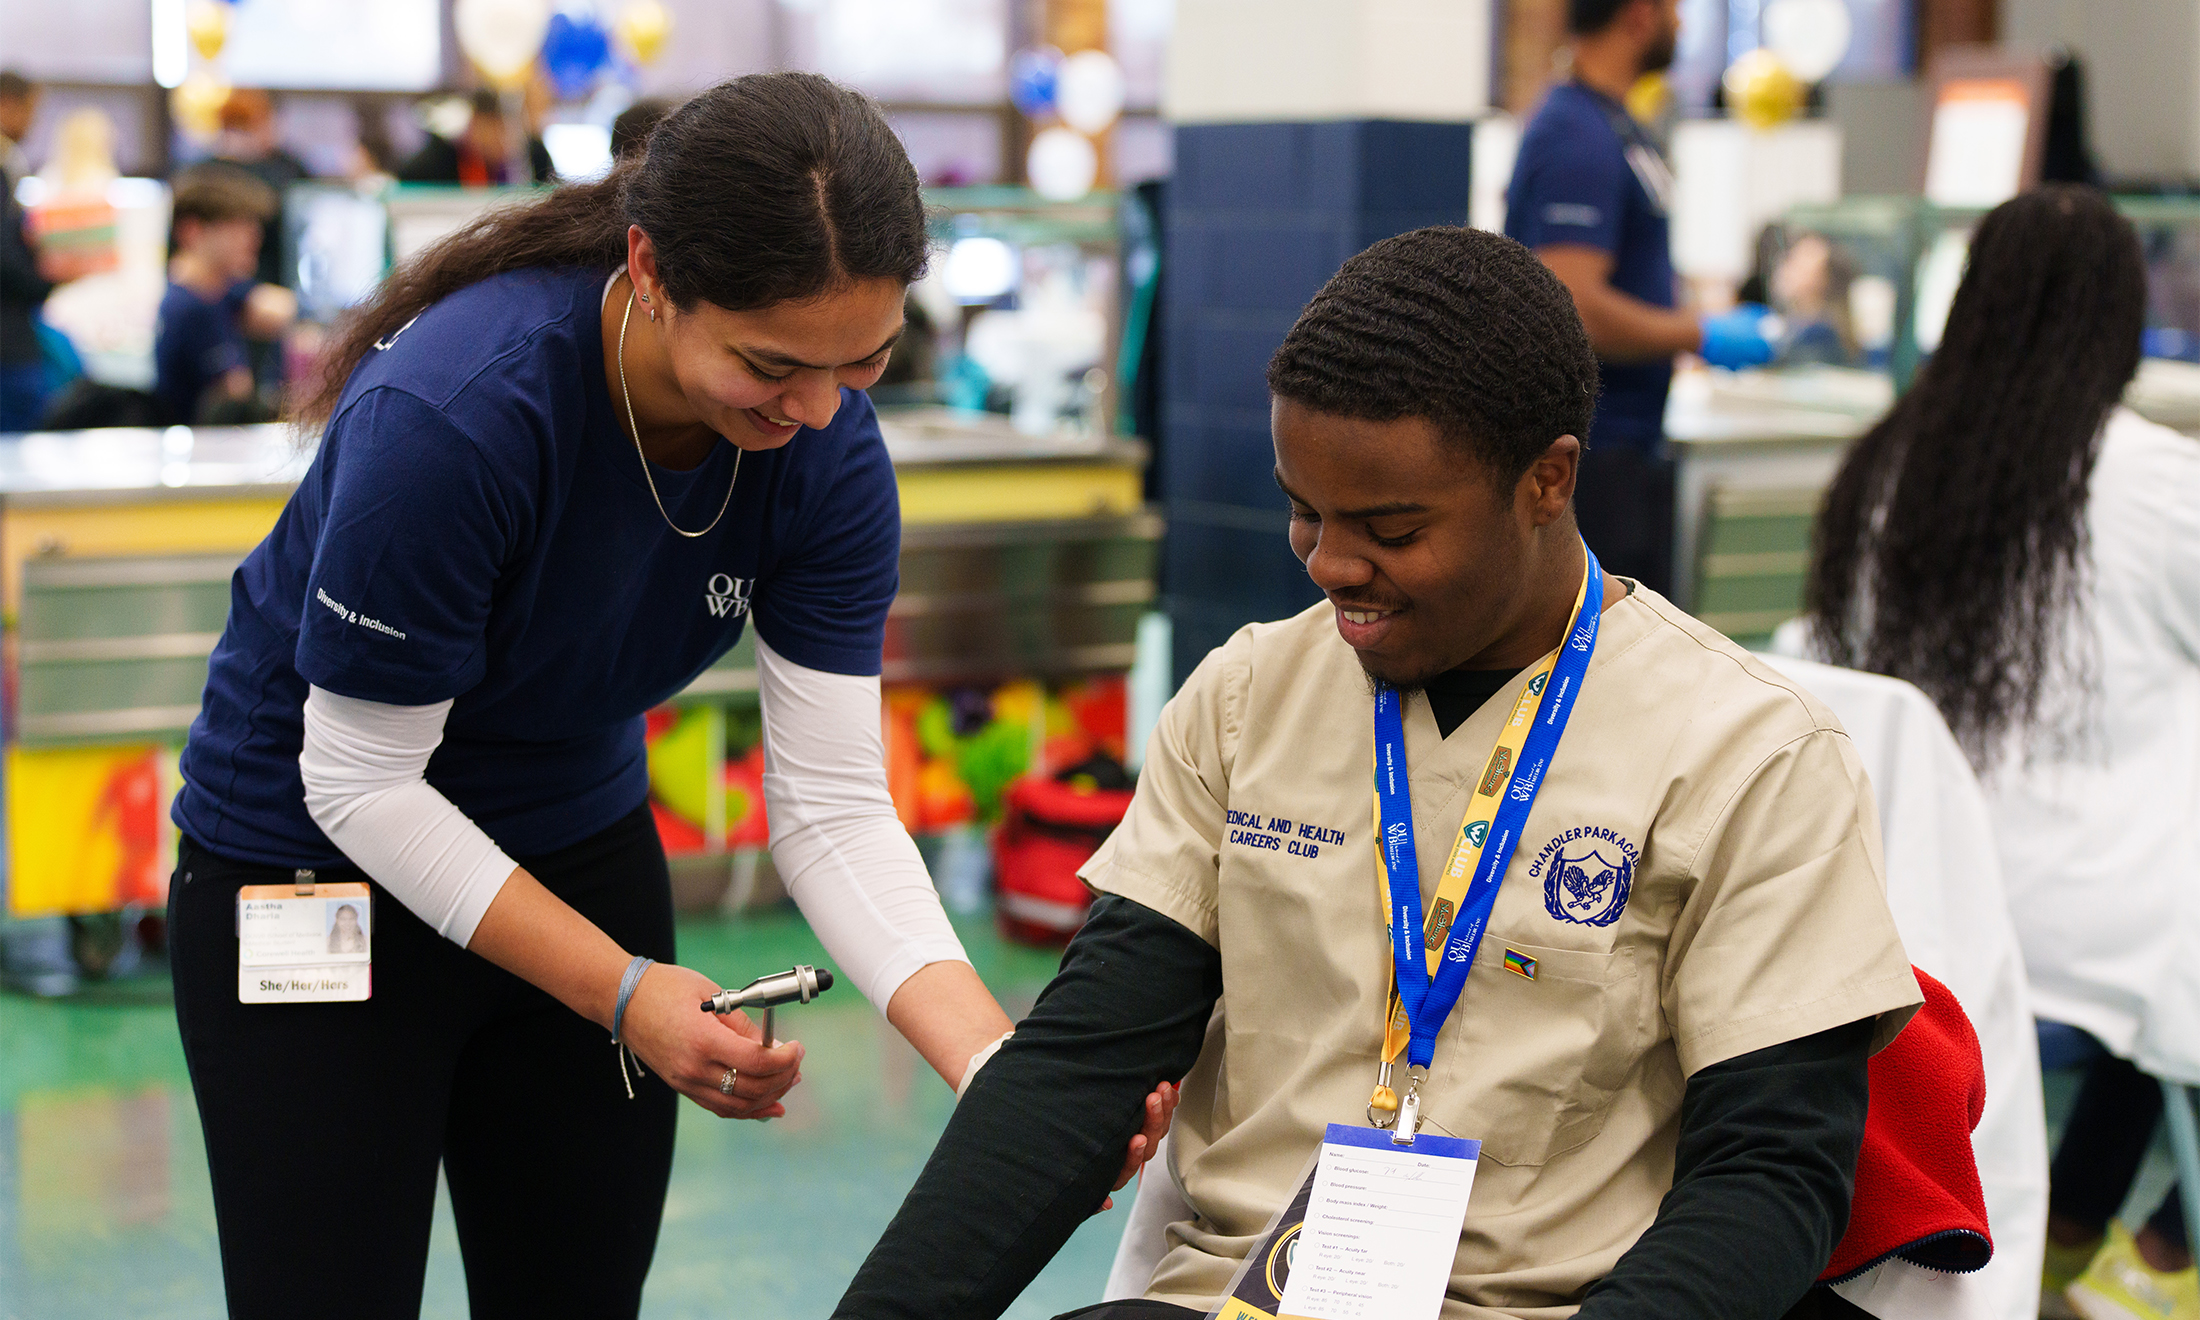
(306, 942)
(1422, 996)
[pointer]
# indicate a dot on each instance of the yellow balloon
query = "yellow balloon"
(643, 26)
(197, 105)
(1760, 90)
(207, 22)
(1646, 99)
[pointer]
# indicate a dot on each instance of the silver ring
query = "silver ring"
(725, 1083)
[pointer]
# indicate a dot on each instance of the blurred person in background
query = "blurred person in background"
(23, 286)
(1589, 194)
(630, 131)
(215, 306)
(374, 157)
(250, 141)
(481, 155)
(1807, 279)
(1810, 290)
(18, 107)
(2026, 550)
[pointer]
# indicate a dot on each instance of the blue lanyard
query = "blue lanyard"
(1429, 1001)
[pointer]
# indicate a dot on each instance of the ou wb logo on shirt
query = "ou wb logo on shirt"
(727, 597)
(1587, 872)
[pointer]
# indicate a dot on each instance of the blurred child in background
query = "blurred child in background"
(201, 357)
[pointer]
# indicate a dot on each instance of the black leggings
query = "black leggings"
(325, 1122)
(2104, 1143)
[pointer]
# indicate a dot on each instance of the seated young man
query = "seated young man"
(202, 362)
(1662, 1041)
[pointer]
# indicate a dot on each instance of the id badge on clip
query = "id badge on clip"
(304, 942)
(1371, 1235)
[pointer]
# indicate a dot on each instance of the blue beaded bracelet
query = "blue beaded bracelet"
(627, 983)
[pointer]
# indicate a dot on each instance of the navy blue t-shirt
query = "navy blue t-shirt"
(1587, 174)
(476, 527)
(194, 342)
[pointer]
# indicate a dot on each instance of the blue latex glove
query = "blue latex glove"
(1739, 338)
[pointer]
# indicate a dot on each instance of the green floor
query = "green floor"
(105, 1209)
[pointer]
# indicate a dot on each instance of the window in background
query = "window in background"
(1882, 42)
(1140, 148)
(1742, 27)
(936, 52)
(97, 41)
(950, 148)
(321, 131)
(1138, 37)
(1700, 58)
(1715, 33)
(388, 45)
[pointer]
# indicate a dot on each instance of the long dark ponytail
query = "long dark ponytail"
(1950, 548)
(770, 187)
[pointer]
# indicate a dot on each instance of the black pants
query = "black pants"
(1817, 1304)
(2111, 1125)
(1623, 500)
(325, 1122)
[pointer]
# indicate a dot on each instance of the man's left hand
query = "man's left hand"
(1160, 1110)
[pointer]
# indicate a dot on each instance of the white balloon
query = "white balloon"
(501, 36)
(1062, 165)
(1088, 93)
(1809, 36)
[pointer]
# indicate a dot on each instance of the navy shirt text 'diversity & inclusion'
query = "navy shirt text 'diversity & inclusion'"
(476, 528)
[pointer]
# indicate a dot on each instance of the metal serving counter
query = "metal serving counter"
(1023, 560)
(1755, 451)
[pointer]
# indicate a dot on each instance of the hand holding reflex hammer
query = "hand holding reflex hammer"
(694, 1051)
(538, 937)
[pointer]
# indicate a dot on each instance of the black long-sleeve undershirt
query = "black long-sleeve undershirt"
(1762, 1176)
(1038, 1138)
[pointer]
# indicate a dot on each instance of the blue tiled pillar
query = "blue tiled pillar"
(1259, 217)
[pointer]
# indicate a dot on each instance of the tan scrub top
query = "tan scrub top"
(1700, 877)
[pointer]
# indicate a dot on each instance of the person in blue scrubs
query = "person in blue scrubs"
(567, 455)
(1590, 194)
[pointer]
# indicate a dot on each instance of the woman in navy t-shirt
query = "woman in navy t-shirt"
(569, 453)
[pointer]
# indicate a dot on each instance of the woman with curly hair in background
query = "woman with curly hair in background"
(2026, 550)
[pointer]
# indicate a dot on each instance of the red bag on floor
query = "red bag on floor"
(1048, 828)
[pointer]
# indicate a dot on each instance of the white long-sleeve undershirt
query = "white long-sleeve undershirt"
(835, 839)
(362, 764)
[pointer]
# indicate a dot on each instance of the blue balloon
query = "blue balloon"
(574, 51)
(1033, 73)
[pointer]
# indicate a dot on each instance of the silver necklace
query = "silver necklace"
(628, 396)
